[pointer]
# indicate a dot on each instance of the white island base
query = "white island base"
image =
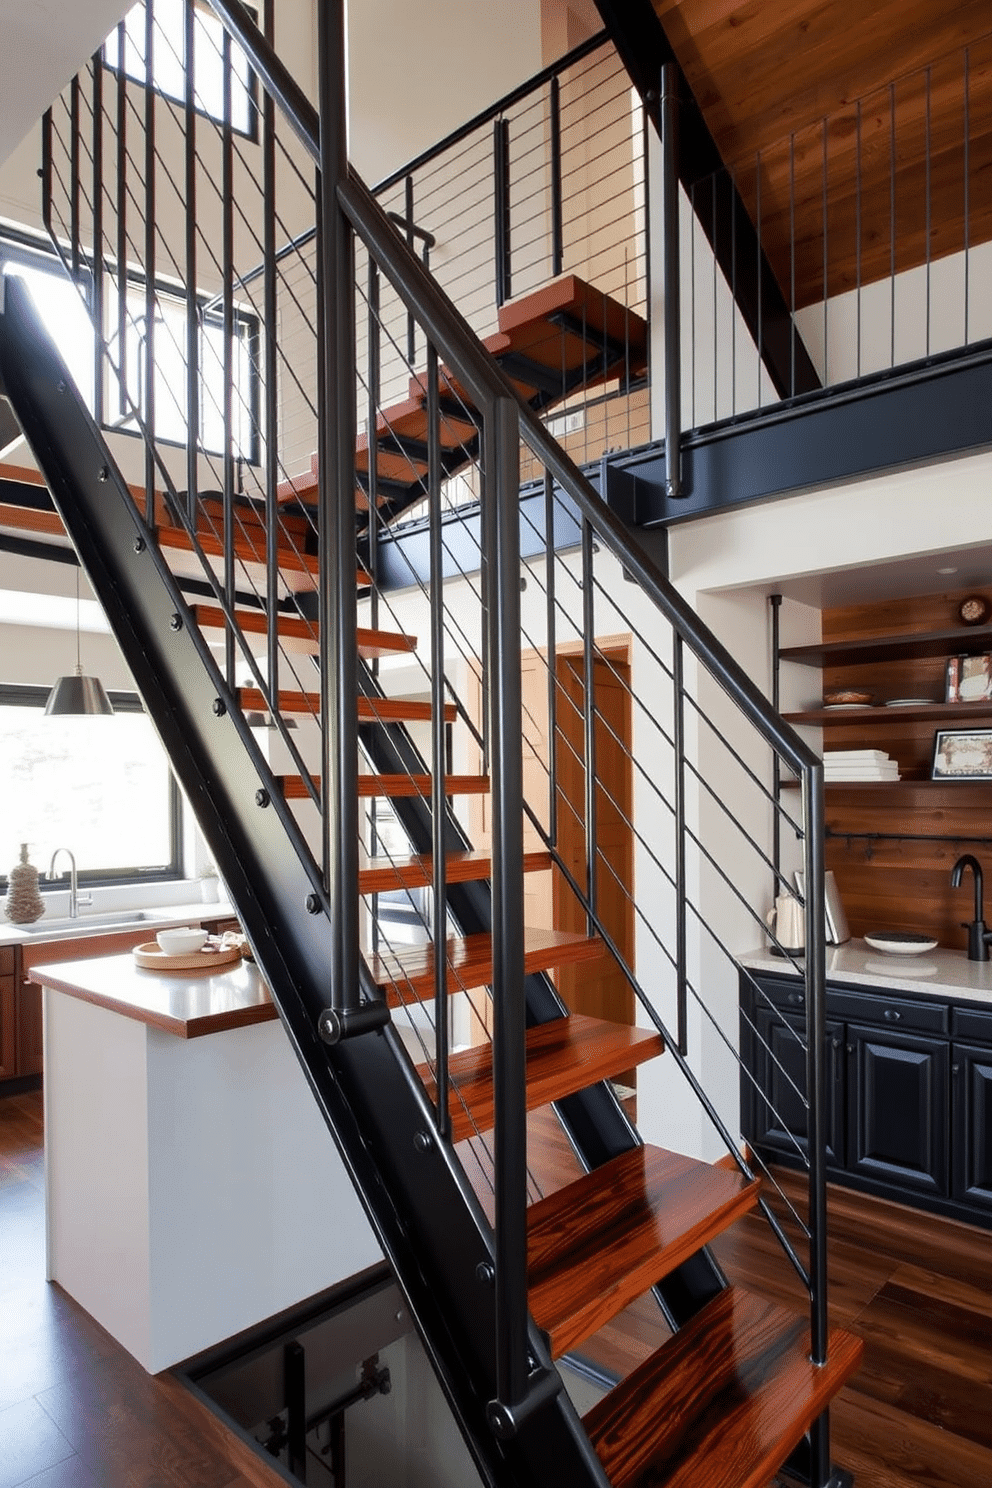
(192, 1188)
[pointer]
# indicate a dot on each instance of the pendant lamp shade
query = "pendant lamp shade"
(78, 694)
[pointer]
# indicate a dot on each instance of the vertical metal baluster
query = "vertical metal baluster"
(814, 976)
(374, 359)
(757, 225)
(270, 290)
(46, 170)
(892, 224)
(98, 263)
(775, 600)
(74, 186)
(557, 222)
(733, 296)
(826, 262)
(552, 627)
(501, 208)
(149, 408)
(671, 248)
(716, 348)
(967, 186)
(120, 205)
(692, 294)
(192, 303)
(792, 264)
(438, 752)
(678, 741)
(411, 324)
(227, 255)
(589, 686)
(857, 228)
(928, 201)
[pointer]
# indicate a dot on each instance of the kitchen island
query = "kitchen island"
(192, 1188)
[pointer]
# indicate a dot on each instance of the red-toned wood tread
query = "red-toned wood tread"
(723, 1402)
(380, 875)
(392, 786)
(370, 710)
(563, 1056)
(290, 561)
(603, 1240)
(297, 634)
(408, 972)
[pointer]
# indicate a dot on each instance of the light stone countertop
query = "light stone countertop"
(938, 973)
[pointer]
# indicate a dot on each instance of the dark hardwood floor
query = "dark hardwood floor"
(77, 1412)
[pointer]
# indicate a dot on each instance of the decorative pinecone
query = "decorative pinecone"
(23, 904)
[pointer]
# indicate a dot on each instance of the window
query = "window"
(100, 786)
(169, 61)
(66, 317)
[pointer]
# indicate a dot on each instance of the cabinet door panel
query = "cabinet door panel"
(30, 1044)
(780, 1065)
(897, 1093)
(972, 1069)
(8, 1036)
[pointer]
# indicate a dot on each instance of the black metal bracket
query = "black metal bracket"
(334, 1025)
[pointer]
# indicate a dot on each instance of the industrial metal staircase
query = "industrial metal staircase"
(504, 1273)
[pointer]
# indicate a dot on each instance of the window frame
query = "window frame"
(251, 133)
(31, 695)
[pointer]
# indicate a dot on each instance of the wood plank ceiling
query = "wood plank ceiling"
(883, 74)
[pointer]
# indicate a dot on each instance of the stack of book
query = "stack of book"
(858, 764)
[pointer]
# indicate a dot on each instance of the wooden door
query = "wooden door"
(898, 1124)
(597, 988)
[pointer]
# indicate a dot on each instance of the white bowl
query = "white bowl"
(899, 943)
(182, 941)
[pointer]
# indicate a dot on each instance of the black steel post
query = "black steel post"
(501, 208)
(98, 263)
(270, 294)
(192, 307)
(338, 587)
(74, 185)
(294, 1369)
(589, 718)
(227, 233)
(120, 204)
(775, 600)
(148, 411)
(670, 268)
(46, 170)
(501, 527)
(813, 863)
(552, 624)
(557, 228)
(438, 750)
(411, 324)
(678, 742)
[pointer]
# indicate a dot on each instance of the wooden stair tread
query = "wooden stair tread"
(408, 972)
(380, 876)
(563, 1056)
(392, 786)
(597, 1244)
(299, 635)
(370, 710)
(244, 549)
(723, 1402)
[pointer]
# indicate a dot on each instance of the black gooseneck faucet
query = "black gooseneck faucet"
(979, 936)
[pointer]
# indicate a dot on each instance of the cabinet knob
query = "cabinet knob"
(955, 1069)
(850, 1048)
(797, 998)
(892, 1015)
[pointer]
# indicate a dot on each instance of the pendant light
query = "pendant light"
(78, 694)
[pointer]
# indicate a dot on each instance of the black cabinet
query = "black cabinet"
(780, 1106)
(909, 1091)
(971, 1077)
(897, 1114)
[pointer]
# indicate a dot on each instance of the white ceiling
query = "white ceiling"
(45, 42)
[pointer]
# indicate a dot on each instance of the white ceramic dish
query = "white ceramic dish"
(909, 703)
(900, 943)
(181, 941)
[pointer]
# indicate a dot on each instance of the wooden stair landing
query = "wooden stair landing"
(563, 1056)
(603, 1240)
(723, 1402)
(407, 974)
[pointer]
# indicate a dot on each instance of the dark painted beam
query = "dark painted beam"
(640, 39)
(924, 415)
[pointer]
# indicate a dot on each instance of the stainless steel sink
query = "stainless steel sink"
(84, 923)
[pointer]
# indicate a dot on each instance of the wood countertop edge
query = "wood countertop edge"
(186, 1028)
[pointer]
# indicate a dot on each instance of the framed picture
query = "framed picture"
(962, 754)
(975, 679)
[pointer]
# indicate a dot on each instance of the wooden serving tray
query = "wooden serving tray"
(153, 958)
